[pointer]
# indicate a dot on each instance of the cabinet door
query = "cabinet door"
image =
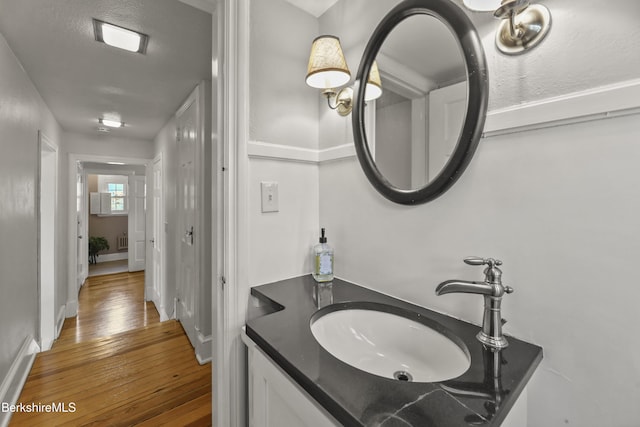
(276, 401)
(94, 203)
(105, 203)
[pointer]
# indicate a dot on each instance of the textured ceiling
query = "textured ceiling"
(81, 79)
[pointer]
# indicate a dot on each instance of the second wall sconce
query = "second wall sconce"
(523, 25)
(328, 70)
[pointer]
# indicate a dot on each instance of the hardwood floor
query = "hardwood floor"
(108, 305)
(118, 365)
(109, 267)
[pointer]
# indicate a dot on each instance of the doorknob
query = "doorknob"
(79, 237)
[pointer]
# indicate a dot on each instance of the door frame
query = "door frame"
(230, 213)
(47, 210)
(74, 158)
(229, 196)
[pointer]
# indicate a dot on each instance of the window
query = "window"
(118, 197)
(117, 187)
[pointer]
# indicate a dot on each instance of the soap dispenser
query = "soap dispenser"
(323, 260)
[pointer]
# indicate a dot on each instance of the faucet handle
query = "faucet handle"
(474, 260)
(492, 274)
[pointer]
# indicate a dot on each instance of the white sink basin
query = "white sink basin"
(389, 345)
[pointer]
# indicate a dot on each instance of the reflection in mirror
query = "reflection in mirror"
(415, 126)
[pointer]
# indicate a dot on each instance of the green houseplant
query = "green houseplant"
(96, 244)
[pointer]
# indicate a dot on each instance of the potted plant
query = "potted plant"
(96, 244)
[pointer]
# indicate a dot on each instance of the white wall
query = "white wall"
(22, 114)
(393, 137)
(281, 241)
(107, 145)
(283, 111)
(564, 221)
(559, 206)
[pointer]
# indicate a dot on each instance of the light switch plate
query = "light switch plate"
(269, 196)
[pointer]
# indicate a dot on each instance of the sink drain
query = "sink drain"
(402, 376)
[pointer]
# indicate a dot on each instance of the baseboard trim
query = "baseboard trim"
(71, 309)
(60, 320)
(118, 256)
(14, 381)
(204, 349)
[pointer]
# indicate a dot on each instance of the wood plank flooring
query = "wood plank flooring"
(118, 365)
(108, 305)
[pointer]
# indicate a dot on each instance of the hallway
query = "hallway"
(117, 364)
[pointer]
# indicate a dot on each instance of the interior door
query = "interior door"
(447, 108)
(83, 245)
(157, 236)
(187, 139)
(137, 239)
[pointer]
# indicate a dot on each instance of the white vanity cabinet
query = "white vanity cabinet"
(275, 400)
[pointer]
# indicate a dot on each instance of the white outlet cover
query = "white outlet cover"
(269, 196)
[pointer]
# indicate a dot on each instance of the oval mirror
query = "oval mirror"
(415, 140)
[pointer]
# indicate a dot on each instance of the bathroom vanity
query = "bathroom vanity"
(294, 380)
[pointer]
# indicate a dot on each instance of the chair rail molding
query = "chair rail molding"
(615, 100)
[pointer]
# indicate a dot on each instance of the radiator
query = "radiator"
(123, 242)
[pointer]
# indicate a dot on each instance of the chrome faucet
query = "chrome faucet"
(493, 290)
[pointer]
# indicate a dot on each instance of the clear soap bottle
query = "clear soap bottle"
(323, 260)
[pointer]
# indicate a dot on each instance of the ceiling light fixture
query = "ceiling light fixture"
(120, 37)
(111, 123)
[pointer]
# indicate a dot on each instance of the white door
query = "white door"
(137, 239)
(47, 241)
(187, 140)
(83, 245)
(157, 238)
(447, 108)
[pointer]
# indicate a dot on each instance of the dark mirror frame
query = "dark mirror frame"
(477, 95)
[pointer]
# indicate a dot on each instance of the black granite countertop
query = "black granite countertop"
(481, 396)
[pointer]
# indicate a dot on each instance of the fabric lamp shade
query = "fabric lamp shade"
(374, 84)
(327, 67)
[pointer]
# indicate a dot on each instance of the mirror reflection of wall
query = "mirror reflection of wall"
(421, 112)
(393, 133)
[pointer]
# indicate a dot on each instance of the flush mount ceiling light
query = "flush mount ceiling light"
(111, 123)
(120, 37)
(328, 70)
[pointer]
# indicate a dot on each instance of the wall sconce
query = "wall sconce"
(328, 70)
(523, 27)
